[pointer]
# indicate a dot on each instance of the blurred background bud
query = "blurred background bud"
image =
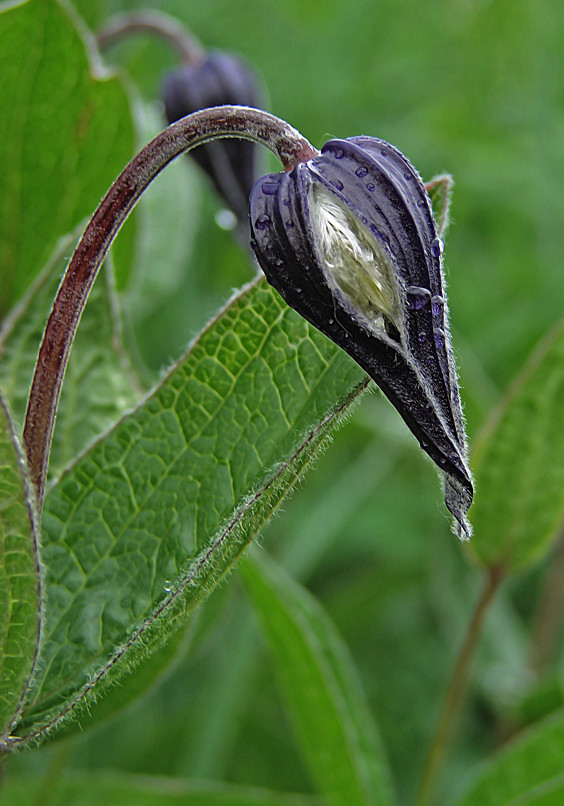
(219, 78)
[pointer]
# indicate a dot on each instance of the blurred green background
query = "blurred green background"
(475, 89)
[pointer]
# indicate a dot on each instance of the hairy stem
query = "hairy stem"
(153, 22)
(457, 688)
(201, 127)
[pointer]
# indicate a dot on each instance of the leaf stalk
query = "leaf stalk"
(153, 22)
(201, 127)
(457, 688)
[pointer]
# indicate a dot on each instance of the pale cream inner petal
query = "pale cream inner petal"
(352, 260)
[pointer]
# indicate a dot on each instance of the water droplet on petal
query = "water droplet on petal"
(286, 202)
(439, 338)
(437, 305)
(269, 188)
(436, 247)
(408, 177)
(384, 153)
(361, 172)
(262, 222)
(370, 187)
(338, 184)
(422, 337)
(417, 297)
(289, 224)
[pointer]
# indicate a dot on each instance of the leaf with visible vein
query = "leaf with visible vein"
(519, 466)
(20, 585)
(99, 384)
(113, 789)
(64, 136)
(154, 514)
(531, 760)
(331, 716)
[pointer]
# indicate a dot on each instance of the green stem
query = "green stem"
(457, 688)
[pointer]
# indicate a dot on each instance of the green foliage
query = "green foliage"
(115, 790)
(19, 578)
(99, 384)
(147, 521)
(339, 740)
(519, 465)
(517, 773)
(49, 96)
(156, 507)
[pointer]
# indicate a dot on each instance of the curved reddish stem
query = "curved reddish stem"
(201, 127)
(154, 22)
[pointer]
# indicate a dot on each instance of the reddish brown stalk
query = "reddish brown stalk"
(201, 127)
(547, 628)
(457, 688)
(153, 22)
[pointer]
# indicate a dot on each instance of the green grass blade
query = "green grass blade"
(20, 585)
(131, 790)
(531, 760)
(65, 133)
(338, 739)
(519, 466)
(149, 519)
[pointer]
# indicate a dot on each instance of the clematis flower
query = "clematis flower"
(349, 240)
(216, 79)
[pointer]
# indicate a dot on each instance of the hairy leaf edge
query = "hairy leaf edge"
(6, 741)
(157, 628)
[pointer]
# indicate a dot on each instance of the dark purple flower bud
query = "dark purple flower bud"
(218, 79)
(349, 240)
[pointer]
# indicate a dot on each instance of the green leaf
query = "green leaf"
(542, 699)
(131, 790)
(20, 586)
(142, 527)
(531, 760)
(519, 466)
(65, 134)
(331, 716)
(99, 384)
(549, 794)
(23, 329)
(151, 672)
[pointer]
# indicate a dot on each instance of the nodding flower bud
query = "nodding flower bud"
(349, 241)
(220, 78)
